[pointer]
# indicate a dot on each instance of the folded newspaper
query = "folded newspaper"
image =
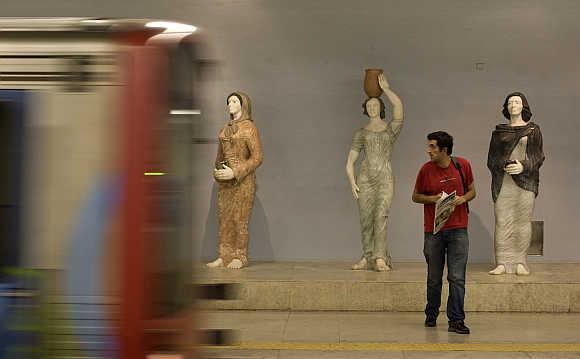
(443, 209)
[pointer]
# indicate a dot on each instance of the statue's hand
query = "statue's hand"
(355, 190)
(383, 83)
(225, 174)
(514, 168)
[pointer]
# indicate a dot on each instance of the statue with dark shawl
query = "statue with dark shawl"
(514, 159)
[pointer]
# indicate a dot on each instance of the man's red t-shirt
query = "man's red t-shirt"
(433, 180)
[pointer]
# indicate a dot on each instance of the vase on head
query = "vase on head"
(371, 84)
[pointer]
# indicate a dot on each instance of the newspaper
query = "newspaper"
(443, 209)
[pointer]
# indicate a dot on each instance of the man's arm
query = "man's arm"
(468, 196)
(424, 198)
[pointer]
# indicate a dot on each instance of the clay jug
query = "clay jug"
(371, 86)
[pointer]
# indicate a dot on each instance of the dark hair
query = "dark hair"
(526, 112)
(238, 96)
(364, 106)
(443, 139)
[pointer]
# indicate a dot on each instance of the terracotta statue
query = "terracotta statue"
(514, 159)
(373, 187)
(239, 154)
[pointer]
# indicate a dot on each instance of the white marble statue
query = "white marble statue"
(373, 187)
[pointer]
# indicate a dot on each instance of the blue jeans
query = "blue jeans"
(455, 243)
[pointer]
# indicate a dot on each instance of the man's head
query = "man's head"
(439, 146)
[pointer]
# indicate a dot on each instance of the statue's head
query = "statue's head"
(239, 103)
(516, 103)
(374, 106)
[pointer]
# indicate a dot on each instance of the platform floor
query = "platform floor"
(316, 286)
(354, 335)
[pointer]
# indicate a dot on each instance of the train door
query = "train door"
(12, 104)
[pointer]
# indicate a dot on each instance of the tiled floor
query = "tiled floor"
(283, 335)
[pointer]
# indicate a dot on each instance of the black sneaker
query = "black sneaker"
(430, 322)
(458, 327)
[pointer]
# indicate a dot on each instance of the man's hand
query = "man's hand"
(435, 198)
(459, 200)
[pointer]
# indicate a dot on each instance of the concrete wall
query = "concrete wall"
(302, 63)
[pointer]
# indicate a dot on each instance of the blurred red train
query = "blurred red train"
(96, 129)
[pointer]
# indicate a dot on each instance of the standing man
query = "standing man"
(445, 173)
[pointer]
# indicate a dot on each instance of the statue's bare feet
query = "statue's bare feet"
(360, 265)
(218, 263)
(381, 265)
(521, 270)
(235, 264)
(500, 269)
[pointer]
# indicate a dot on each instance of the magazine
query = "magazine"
(443, 209)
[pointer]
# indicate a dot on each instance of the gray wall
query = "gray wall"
(302, 64)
